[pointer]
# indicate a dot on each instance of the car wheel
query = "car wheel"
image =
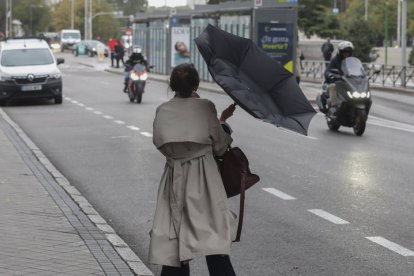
(58, 99)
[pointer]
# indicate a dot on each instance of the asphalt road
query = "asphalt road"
(328, 204)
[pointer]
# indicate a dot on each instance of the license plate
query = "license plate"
(31, 87)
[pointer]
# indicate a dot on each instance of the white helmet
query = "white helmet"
(344, 45)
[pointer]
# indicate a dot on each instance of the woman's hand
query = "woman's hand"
(227, 113)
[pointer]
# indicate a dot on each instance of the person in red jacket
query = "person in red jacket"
(111, 45)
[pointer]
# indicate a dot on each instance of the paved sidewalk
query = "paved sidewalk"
(46, 226)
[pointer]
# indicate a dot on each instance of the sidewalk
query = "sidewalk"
(46, 226)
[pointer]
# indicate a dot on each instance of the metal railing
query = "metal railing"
(390, 75)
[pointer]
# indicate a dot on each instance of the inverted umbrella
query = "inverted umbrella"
(255, 81)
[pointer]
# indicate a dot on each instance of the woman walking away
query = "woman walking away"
(191, 217)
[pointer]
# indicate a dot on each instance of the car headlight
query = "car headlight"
(57, 75)
(5, 78)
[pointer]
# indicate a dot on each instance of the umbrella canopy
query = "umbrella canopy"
(255, 81)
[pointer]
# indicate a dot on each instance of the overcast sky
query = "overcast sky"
(170, 3)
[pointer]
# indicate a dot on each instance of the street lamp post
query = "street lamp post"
(72, 13)
(31, 17)
(403, 40)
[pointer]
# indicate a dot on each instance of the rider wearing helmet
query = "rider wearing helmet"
(334, 68)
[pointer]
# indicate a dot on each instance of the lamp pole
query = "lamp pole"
(403, 40)
(9, 15)
(72, 14)
(386, 31)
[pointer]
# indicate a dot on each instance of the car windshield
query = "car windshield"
(71, 35)
(352, 66)
(26, 57)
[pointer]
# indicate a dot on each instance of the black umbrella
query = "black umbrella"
(255, 81)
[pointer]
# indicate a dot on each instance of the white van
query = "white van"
(68, 38)
(28, 69)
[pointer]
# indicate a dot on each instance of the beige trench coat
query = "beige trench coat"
(191, 217)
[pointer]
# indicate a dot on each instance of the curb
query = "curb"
(124, 251)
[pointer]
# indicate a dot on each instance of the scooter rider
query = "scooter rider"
(135, 58)
(345, 50)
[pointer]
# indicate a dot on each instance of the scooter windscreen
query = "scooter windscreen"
(356, 78)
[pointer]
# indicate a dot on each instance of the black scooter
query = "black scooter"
(354, 98)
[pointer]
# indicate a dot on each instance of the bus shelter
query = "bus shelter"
(167, 38)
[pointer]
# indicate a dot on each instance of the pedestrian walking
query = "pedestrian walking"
(191, 217)
(327, 50)
(119, 53)
(111, 45)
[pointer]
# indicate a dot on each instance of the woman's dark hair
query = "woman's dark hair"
(184, 78)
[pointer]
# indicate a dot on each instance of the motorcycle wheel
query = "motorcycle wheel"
(332, 125)
(131, 95)
(360, 122)
(138, 92)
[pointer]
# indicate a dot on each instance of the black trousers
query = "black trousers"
(218, 265)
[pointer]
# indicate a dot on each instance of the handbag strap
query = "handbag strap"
(241, 208)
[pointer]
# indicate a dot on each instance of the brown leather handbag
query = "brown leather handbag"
(237, 178)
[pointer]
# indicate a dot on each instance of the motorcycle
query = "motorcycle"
(136, 82)
(354, 98)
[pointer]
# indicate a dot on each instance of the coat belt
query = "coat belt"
(176, 189)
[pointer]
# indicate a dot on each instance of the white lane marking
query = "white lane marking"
(89, 109)
(108, 117)
(119, 122)
(392, 246)
(67, 98)
(298, 134)
(97, 112)
(325, 215)
(81, 104)
(390, 124)
(147, 134)
(75, 102)
(278, 193)
(133, 127)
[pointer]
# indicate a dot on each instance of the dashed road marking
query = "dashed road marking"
(89, 109)
(147, 134)
(133, 127)
(392, 246)
(279, 194)
(325, 215)
(119, 122)
(81, 104)
(108, 117)
(97, 112)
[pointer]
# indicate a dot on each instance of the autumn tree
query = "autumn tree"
(104, 25)
(33, 14)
